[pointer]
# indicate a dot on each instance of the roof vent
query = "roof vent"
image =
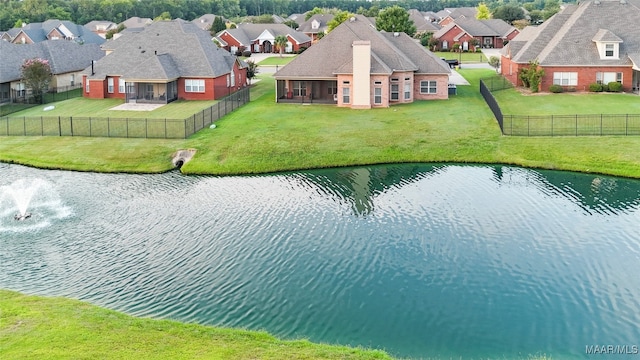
(396, 34)
(623, 2)
(352, 19)
(597, 2)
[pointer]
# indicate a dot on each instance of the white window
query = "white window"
(377, 95)
(445, 45)
(465, 46)
(289, 47)
(428, 87)
(565, 78)
(233, 78)
(395, 90)
(194, 85)
(110, 85)
(228, 80)
(346, 95)
(407, 91)
(608, 50)
(607, 77)
(299, 88)
(121, 86)
(73, 79)
(332, 88)
(86, 89)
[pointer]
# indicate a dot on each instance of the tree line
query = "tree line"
(15, 12)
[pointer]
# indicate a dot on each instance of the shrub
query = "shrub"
(238, 53)
(246, 53)
(605, 87)
(595, 87)
(555, 88)
(301, 50)
(615, 86)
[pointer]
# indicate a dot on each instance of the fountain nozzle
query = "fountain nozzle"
(22, 217)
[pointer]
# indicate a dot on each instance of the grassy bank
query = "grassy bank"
(33, 327)
(264, 136)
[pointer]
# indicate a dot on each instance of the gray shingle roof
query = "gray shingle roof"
(420, 21)
(164, 50)
(567, 38)
(136, 22)
(322, 19)
(333, 54)
(253, 31)
(38, 32)
(63, 56)
(475, 27)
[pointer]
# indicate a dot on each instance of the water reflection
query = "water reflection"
(422, 260)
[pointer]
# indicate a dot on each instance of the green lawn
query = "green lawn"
(83, 107)
(513, 102)
(276, 60)
(264, 137)
(34, 327)
(468, 57)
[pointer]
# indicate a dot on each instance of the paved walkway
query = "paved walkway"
(137, 107)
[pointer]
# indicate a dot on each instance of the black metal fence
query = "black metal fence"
(121, 127)
(556, 125)
(24, 99)
(492, 103)
(571, 125)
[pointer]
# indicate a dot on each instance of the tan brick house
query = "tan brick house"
(359, 67)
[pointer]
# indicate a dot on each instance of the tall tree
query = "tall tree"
(483, 12)
(280, 42)
(36, 75)
(252, 70)
(217, 25)
(508, 13)
(395, 19)
(338, 19)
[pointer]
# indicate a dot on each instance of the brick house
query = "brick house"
(449, 15)
(489, 33)
(53, 30)
(316, 24)
(67, 60)
(166, 61)
(259, 38)
(359, 67)
(592, 42)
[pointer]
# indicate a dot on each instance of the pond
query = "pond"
(438, 260)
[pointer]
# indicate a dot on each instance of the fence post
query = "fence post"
(127, 122)
(600, 124)
(194, 123)
(24, 125)
(41, 126)
(626, 125)
(551, 125)
(528, 126)
(59, 127)
(146, 128)
(576, 124)
(90, 133)
(165, 128)
(71, 124)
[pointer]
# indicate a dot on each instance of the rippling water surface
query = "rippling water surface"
(440, 261)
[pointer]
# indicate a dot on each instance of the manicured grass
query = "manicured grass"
(514, 102)
(11, 108)
(467, 57)
(263, 136)
(33, 327)
(83, 107)
(276, 60)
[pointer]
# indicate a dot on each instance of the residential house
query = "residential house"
(4, 36)
(298, 18)
(316, 24)
(423, 22)
(448, 15)
(67, 60)
(53, 30)
(136, 22)
(591, 42)
(259, 38)
(101, 28)
(166, 61)
(359, 67)
(471, 33)
(205, 21)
